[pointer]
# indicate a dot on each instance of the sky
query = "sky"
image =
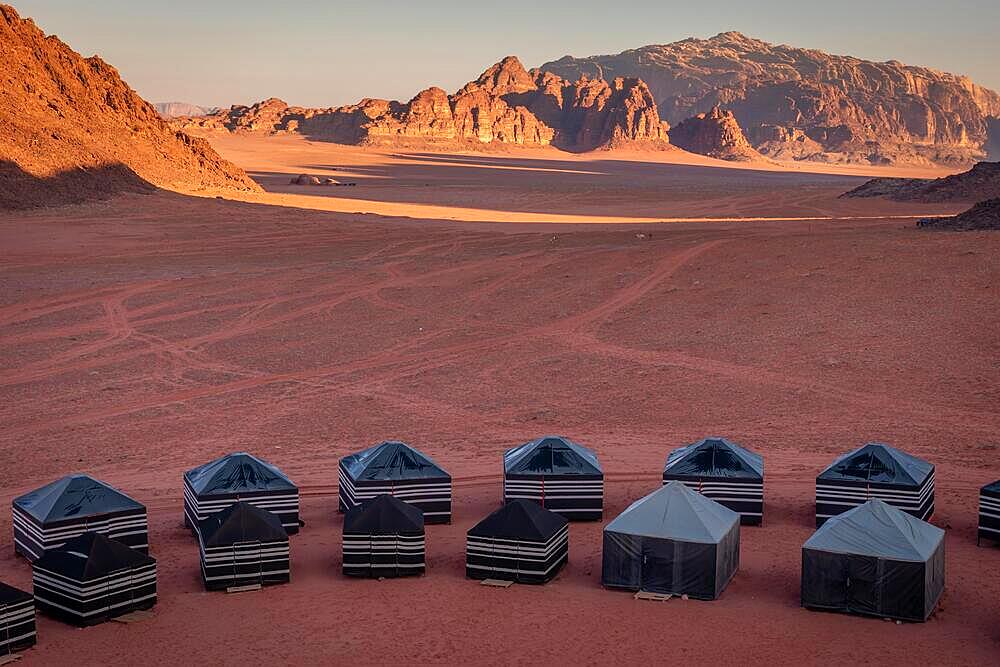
(328, 52)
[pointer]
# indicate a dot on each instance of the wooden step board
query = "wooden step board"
(646, 595)
(134, 616)
(499, 583)
(243, 589)
(8, 658)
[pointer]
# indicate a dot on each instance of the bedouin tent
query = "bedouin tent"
(243, 545)
(727, 473)
(92, 579)
(239, 477)
(17, 620)
(383, 537)
(989, 512)
(50, 516)
(521, 542)
(878, 471)
(874, 560)
(673, 541)
(399, 470)
(557, 473)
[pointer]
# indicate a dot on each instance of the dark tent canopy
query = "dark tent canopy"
(673, 541)
(875, 470)
(989, 512)
(399, 470)
(92, 579)
(235, 477)
(384, 537)
(49, 516)
(521, 541)
(17, 620)
(243, 545)
(875, 560)
(557, 473)
(721, 470)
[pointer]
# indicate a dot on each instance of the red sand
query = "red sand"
(146, 335)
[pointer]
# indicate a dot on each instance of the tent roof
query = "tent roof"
(384, 515)
(11, 595)
(241, 522)
(676, 512)
(715, 457)
(993, 487)
(234, 472)
(877, 529)
(878, 462)
(520, 519)
(74, 496)
(391, 460)
(91, 556)
(551, 455)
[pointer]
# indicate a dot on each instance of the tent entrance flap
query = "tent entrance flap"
(862, 584)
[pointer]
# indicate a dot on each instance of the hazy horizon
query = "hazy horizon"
(328, 54)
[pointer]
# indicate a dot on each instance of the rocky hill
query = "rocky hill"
(71, 129)
(716, 134)
(506, 105)
(178, 109)
(983, 216)
(805, 104)
(979, 183)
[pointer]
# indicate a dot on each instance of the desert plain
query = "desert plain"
(465, 303)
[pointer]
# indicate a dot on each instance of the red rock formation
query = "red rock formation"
(979, 183)
(983, 216)
(803, 103)
(506, 105)
(71, 129)
(716, 134)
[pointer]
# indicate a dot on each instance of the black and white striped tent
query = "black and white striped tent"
(399, 470)
(384, 537)
(727, 473)
(17, 620)
(48, 517)
(521, 542)
(673, 541)
(874, 560)
(557, 473)
(238, 477)
(243, 545)
(989, 512)
(92, 579)
(878, 471)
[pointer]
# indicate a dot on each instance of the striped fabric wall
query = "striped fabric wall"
(17, 625)
(575, 497)
(989, 516)
(384, 555)
(432, 496)
(285, 505)
(97, 600)
(833, 498)
(521, 561)
(244, 564)
(745, 497)
(32, 540)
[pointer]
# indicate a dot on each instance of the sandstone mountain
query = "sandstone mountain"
(506, 105)
(71, 129)
(979, 183)
(716, 134)
(983, 216)
(169, 110)
(806, 104)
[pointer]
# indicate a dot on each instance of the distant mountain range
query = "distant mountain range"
(169, 110)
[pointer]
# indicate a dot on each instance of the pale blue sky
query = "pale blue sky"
(325, 53)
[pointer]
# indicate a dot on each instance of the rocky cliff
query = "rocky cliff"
(71, 129)
(716, 134)
(983, 216)
(979, 183)
(507, 104)
(805, 104)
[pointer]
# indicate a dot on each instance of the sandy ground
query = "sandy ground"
(143, 336)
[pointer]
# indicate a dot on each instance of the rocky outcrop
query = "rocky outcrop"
(71, 129)
(979, 183)
(806, 104)
(507, 104)
(716, 134)
(983, 216)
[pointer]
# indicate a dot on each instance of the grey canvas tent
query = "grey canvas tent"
(875, 470)
(674, 540)
(721, 470)
(874, 560)
(989, 512)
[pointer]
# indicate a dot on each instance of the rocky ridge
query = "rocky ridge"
(716, 134)
(977, 184)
